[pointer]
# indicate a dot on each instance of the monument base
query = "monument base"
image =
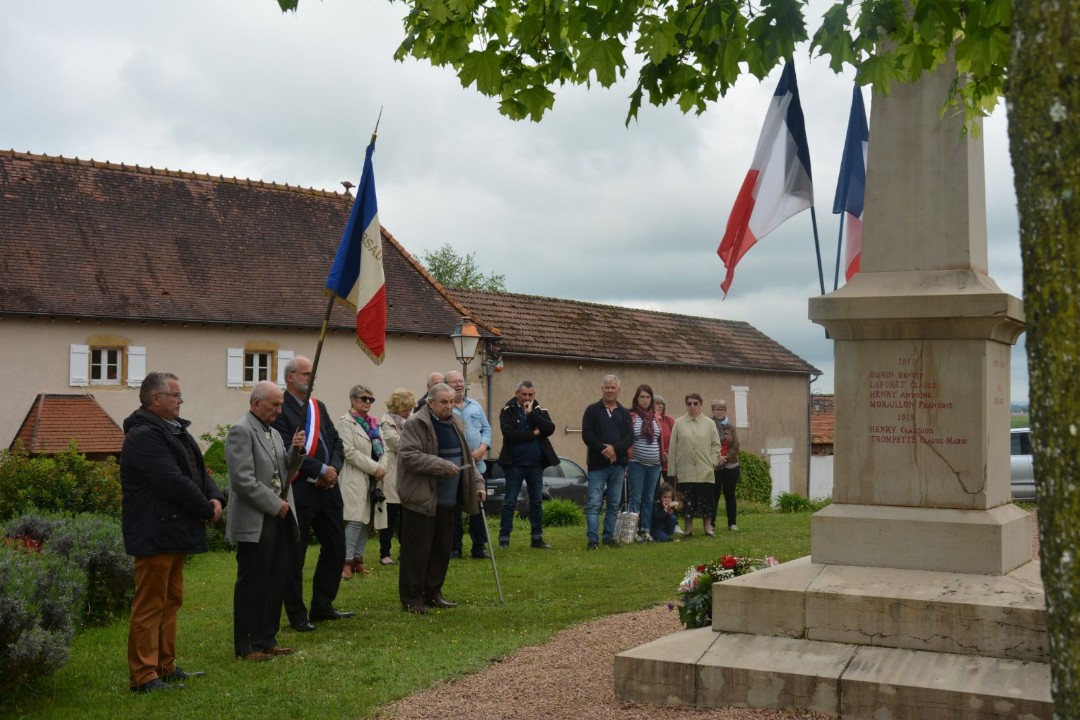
(991, 542)
(858, 642)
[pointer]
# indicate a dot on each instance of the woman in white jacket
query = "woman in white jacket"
(365, 461)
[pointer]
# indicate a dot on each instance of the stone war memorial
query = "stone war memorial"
(920, 599)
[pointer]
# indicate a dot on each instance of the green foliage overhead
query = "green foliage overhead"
(456, 271)
(691, 52)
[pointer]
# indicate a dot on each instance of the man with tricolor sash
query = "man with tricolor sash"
(319, 506)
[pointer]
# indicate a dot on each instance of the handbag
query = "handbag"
(626, 523)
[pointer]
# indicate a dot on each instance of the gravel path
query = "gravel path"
(570, 678)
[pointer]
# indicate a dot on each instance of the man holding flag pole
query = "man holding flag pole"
(356, 279)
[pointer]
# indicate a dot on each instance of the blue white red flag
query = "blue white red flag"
(356, 276)
(779, 182)
(851, 186)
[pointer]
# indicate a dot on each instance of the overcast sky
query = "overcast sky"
(577, 206)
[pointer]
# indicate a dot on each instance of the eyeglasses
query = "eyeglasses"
(178, 396)
(364, 398)
(692, 403)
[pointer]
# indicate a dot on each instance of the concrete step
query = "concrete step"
(1001, 616)
(704, 668)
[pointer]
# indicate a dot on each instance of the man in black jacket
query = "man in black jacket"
(319, 506)
(608, 432)
(526, 451)
(168, 498)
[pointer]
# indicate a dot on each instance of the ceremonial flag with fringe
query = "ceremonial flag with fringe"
(356, 276)
(779, 182)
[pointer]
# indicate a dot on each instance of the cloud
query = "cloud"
(577, 206)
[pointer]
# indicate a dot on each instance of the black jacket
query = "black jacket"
(166, 498)
(598, 430)
(305, 492)
(512, 433)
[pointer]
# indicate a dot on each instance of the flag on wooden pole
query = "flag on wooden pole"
(356, 276)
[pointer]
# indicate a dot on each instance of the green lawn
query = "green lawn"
(350, 668)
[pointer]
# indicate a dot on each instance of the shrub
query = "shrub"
(65, 482)
(792, 502)
(38, 596)
(95, 545)
(754, 481)
(562, 513)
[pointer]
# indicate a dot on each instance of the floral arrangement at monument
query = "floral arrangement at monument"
(695, 590)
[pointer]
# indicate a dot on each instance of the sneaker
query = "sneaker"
(593, 545)
(611, 543)
(539, 544)
(733, 528)
(678, 530)
(155, 685)
(504, 542)
(179, 674)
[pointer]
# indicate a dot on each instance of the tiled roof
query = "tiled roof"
(822, 420)
(533, 325)
(104, 240)
(55, 420)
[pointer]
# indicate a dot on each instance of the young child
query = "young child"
(664, 521)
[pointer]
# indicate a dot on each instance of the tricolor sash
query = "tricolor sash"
(311, 432)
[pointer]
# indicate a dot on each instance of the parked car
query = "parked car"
(565, 481)
(1023, 470)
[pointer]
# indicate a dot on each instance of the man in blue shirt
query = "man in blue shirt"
(478, 433)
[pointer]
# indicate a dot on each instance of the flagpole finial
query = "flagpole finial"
(375, 132)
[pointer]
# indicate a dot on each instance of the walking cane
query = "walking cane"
(491, 551)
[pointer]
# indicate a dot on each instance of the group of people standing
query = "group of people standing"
(696, 454)
(294, 471)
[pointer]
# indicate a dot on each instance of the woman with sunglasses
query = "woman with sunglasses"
(695, 450)
(365, 461)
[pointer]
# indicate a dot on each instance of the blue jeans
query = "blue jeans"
(641, 483)
(603, 484)
(533, 476)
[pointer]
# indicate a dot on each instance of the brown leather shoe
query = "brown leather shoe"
(255, 656)
(440, 602)
(415, 609)
(358, 567)
(278, 650)
(346, 572)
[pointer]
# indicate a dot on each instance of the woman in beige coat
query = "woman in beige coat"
(400, 405)
(365, 461)
(693, 455)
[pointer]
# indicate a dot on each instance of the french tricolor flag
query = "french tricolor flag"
(779, 183)
(851, 186)
(356, 276)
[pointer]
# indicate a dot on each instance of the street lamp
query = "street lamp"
(466, 337)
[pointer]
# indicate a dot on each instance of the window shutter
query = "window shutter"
(741, 418)
(136, 366)
(79, 366)
(234, 370)
(284, 357)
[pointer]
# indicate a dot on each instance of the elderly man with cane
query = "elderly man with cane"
(436, 477)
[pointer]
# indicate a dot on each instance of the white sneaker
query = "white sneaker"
(733, 528)
(678, 530)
